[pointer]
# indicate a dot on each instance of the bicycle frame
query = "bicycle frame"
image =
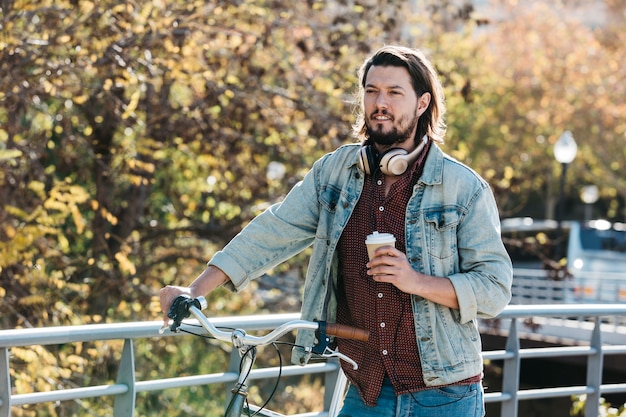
(240, 389)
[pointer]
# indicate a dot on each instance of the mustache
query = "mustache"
(380, 113)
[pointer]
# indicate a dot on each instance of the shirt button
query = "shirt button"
(381, 208)
(380, 295)
(385, 351)
(382, 324)
(379, 182)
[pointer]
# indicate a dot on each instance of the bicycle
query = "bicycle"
(184, 306)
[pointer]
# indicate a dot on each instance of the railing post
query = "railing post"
(511, 372)
(124, 404)
(5, 383)
(594, 370)
(335, 384)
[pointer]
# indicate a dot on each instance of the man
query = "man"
(420, 298)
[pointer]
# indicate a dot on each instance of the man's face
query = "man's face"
(391, 106)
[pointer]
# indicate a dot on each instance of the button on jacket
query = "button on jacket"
(452, 230)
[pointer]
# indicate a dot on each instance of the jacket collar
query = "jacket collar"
(433, 168)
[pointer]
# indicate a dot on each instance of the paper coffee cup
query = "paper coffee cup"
(376, 240)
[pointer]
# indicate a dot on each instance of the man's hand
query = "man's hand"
(207, 281)
(167, 295)
(392, 266)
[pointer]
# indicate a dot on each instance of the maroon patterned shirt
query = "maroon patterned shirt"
(386, 311)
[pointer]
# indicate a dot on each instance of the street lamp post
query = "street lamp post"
(565, 150)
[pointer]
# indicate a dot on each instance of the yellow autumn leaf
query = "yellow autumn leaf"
(77, 217)
(80, 99)
(9, 154)
(132, 104)
(125, 264)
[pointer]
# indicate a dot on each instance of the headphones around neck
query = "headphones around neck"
(393, 162)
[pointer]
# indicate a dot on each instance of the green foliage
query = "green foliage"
(135, 140)
(605, 409)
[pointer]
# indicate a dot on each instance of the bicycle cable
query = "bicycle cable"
(274, 389)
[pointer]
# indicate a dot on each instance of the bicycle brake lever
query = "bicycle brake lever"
(329, 353)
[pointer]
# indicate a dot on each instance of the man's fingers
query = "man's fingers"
(166, 297)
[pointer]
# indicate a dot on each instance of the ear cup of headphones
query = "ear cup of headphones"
(394, 162)
(368, 160)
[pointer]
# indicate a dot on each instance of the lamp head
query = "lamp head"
(565, 148)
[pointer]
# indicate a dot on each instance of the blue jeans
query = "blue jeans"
(454, 401)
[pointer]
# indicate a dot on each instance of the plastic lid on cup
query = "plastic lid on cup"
(380, 238)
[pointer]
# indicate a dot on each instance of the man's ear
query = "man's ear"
(422, 103)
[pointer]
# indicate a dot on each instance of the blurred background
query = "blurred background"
(138, 137)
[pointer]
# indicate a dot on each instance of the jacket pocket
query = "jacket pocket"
(441, 226)
(329, 196)
(441, 241)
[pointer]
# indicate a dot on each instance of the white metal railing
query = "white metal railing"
(533, 286)
(126, 386)
(595, 352)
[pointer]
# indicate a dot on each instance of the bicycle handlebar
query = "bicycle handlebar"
(183, 306)
(347, 332)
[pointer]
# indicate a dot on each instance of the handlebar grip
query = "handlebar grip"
(347, 332)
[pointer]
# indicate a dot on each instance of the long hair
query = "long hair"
(424, 80)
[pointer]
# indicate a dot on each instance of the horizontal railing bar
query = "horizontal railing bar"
(613, 388)
(68, 394)
(548, 352)
(316, 368)
(185, 381)
(614, 350)
(539, 393)
(497, 355)
(562, 310)
(133, 330)
(168, 383)
(497, 397)
(551, 352)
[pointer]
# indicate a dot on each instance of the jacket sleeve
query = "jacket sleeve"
(483, 283)
(277, 234)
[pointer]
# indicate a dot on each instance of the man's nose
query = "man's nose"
(381, 101)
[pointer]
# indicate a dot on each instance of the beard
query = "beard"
(397, 135)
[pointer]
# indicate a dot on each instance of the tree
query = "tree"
(537, 75)
(136, 138)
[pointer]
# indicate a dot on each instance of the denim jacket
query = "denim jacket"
(452, 230)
